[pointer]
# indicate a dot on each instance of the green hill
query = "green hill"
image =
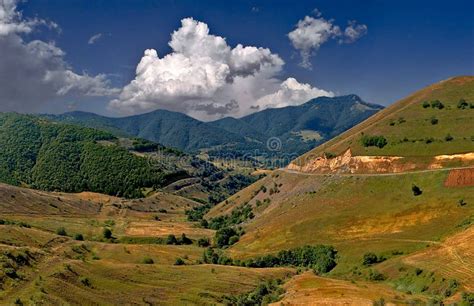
(432, 121)
(59, 157)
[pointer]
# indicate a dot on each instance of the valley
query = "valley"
(364, 219)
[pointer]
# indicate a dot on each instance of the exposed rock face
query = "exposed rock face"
(346, 163)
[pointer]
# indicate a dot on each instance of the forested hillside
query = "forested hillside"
(67, 158)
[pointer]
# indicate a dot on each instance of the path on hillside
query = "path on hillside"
(373, 174)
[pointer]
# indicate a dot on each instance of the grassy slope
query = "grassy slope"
(356, 214)
(459, 123)
(115, 271)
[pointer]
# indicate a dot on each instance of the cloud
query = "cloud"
(311, 33)
(198, 76)
(94, 38)
(353, 32)
(34, 73)
(291, 92)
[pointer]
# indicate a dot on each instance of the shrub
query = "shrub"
(462, 202)
(85, 281)
(462, 104)
(203, 242)
(426, 104)
(418, 271)
(171, 239)
(107, 233)
(370, 259)
(416, 190)
(437, 104)
(434, 121)
(468, 297)
(185, 240)
(374, 141)
(179, 262)
(223, 236)
(148, 261)
(61, 231)
(78, 237)
(448, 137)
(233, 240)
(375, 275)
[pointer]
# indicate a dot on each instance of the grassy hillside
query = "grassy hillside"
(356, 214)
(416, 126)
(39, 264)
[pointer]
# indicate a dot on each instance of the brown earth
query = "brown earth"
(309, 289)
(460, 177)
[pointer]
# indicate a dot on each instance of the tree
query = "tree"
(416, 190)
(171, 239)
(179, 262)
(370, 259)
(462, 104)
(107, 233)
(223, 236)
(185, 240)
(426, 104)
(78, 237)
(61, 231)
(203, 242)
(434, 121)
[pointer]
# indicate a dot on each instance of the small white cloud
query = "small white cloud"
(291, 92)
(311, 33)
(353, 32)
(94, 38)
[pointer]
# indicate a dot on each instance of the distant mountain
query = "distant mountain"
(298, 128)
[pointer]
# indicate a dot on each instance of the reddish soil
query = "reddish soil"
(460, 177)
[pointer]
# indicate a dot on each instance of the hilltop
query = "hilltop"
(412, 134)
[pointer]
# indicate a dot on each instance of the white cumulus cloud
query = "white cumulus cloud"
(33, 73)
(312, 32)
(197, 76)
(291, 92)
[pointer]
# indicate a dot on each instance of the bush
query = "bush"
(203, 242)
(468, 298)
(416, 190)
(448, 137)
(375, 275)
(426, 104)
(418, 271)
(462, 104)
(78, 237)
(61, 231)
(85, 281)
(223, 236)
(370, 259)
(148, 261)
(184, 240)
(265, 293)
(171, 239)
(434, 121)
(233, 240)
(374, 141)
(179, 262)
(107, 233)
(437, 104)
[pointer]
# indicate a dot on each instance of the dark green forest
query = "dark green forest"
(59, 157)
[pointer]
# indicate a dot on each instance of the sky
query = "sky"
(211, 59)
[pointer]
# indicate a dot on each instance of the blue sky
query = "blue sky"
(407, 45)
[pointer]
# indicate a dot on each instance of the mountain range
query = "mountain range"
(296, 129)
